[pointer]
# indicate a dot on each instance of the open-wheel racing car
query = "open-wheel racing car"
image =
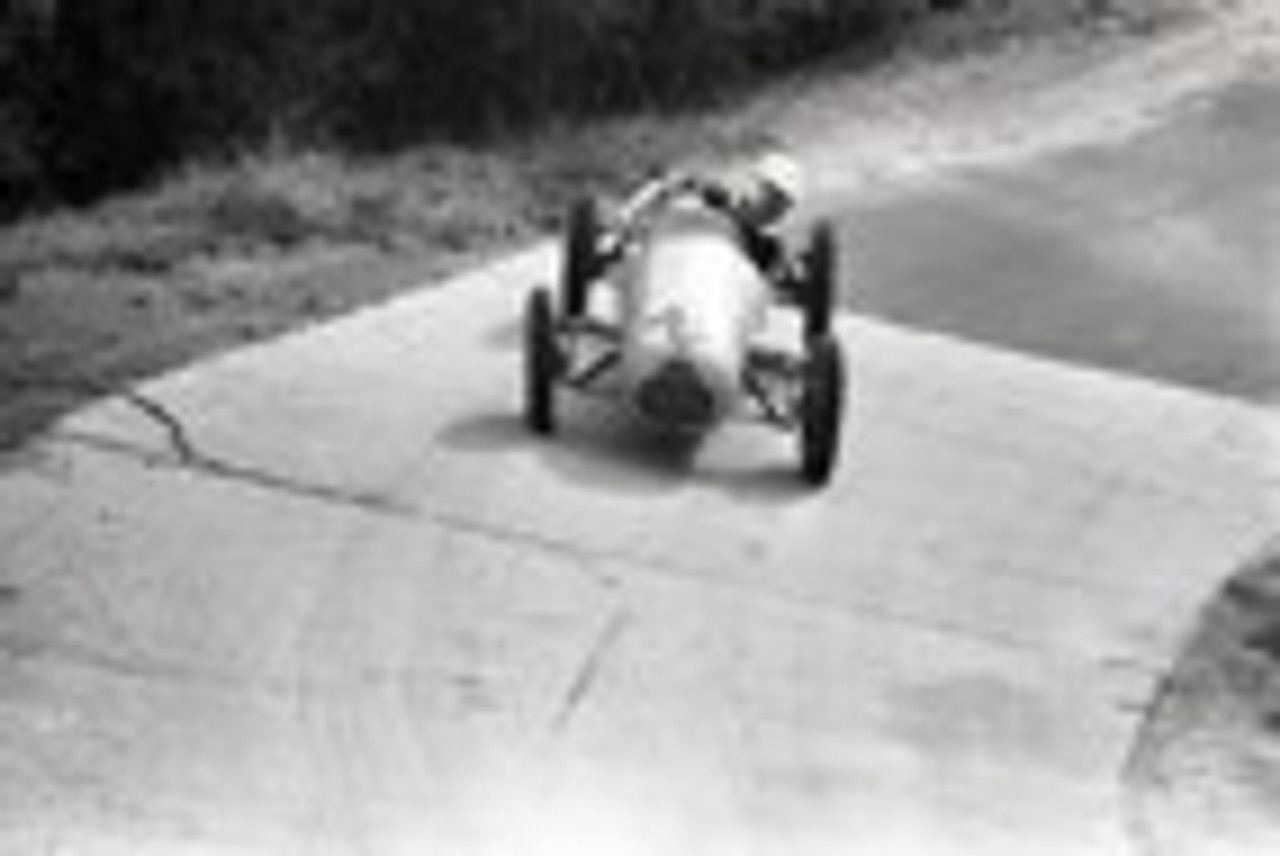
(681, 341)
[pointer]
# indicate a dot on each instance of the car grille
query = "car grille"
(676, 395)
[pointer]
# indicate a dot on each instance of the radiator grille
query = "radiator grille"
(676, 395)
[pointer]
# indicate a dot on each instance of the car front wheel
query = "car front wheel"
(821, 409)
(542, 363)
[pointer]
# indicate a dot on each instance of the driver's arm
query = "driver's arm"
(715, 194)
(653, 194)
(646, 200)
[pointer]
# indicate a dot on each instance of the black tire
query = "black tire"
(821, 409)
(581, 256)
(542, 363)
(818, 289)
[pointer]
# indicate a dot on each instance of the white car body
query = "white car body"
(691, 303)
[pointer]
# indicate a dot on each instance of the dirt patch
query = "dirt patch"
(1205, 775)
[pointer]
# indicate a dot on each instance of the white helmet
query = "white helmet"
(783, 174)
(772, 186)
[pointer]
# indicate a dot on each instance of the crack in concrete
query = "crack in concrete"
(175, 430)
(184, 453)
(588, 673)
(194, 460)
(181, 443)
(386, 506)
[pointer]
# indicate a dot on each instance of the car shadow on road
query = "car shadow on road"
(601, 448)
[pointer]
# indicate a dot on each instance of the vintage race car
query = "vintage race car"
(679, 339)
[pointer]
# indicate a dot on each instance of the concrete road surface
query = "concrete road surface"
(1158, 257)
(326, 596)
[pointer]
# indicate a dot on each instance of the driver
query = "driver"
(757, 197)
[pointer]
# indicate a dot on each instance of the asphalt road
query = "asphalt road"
(366, 613)
(1160, 257)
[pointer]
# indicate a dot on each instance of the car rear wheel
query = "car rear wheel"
(581, 256)
(542, 363)
(821, 409)
(818, 289)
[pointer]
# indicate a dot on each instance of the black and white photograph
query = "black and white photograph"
(639, 427)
